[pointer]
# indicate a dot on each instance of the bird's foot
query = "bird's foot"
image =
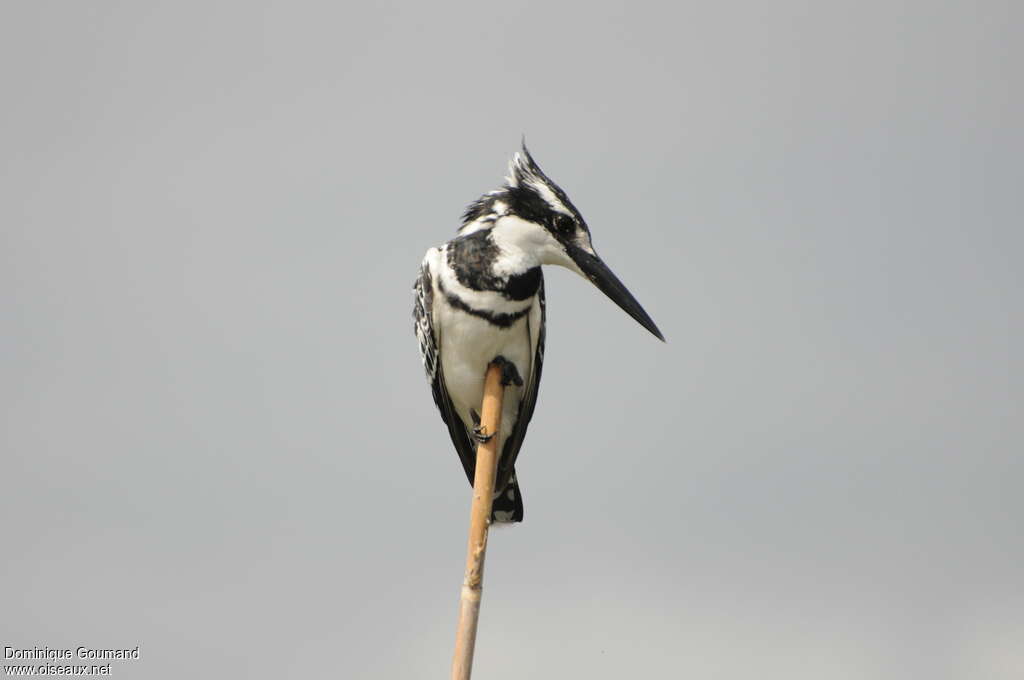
(478, 434)
(478, 429)
(509, 372)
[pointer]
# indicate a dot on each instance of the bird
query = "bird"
(479, 299)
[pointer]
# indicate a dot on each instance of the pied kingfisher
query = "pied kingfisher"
(479, 298)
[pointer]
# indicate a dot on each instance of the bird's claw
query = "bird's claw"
(478, 434)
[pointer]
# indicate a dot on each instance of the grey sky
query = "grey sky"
(217, 442)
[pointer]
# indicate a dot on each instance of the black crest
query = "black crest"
(531, 195)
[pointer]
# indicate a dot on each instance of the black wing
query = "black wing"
(535, 327)
(430, 351)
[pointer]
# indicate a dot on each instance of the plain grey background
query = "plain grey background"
(217, 440)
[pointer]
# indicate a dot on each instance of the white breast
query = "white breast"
(469, 343)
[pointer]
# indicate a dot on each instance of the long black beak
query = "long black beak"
(602, 277)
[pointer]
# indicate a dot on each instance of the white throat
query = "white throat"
(525, 245)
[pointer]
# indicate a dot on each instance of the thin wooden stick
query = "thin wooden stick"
(479, 521)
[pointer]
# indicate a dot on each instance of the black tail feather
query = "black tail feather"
(508, 505)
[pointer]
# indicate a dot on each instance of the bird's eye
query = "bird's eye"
(564, 224)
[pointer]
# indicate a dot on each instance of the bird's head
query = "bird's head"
(530, 216)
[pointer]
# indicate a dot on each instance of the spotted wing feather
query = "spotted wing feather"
(430, 351)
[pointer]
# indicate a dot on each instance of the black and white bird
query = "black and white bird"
(479, 298)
